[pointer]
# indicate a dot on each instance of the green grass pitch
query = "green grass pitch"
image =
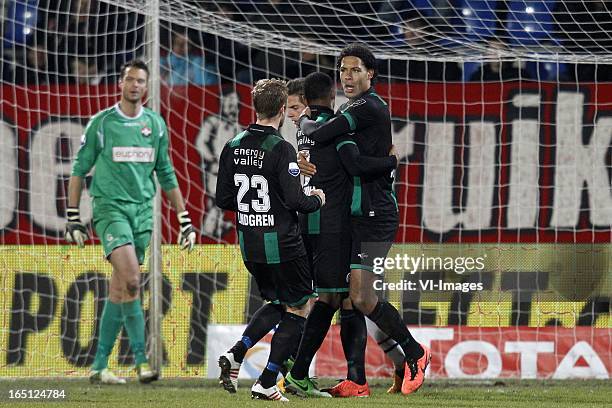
(206, 393)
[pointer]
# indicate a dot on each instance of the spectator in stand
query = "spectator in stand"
(84, 72)
(586, 28)
(275, 63)
(32, 68)
(413, 35)
(586, 25)
(498, 70)
(310, 62)
(77, 29)
(82, 26)
(232, 56)
(55, 37)
(273, 15)
(182, 67)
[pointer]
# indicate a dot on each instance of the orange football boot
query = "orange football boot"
(414, 374)
(397, 385)
(348, 388)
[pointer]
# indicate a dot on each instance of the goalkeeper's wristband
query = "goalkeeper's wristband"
(73, 214)
(320, 200)
(183, 218)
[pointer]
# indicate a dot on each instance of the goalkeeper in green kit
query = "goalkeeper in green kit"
(126, 143)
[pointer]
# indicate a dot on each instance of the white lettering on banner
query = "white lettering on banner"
(438, 179)
(567, 367)
(438, 214)
(523, 189)
(50, 163)
(403, 137)
(479, 353)
(529, 355)
(8, 174)
(452, 362)
(552, 155)
(425, 335)
(133, 154)
(577, 164)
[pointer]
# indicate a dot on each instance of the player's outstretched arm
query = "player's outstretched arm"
(76, 231)
(357, 164)
(325, 132)
(187, 235)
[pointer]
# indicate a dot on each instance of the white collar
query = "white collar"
(120, 112)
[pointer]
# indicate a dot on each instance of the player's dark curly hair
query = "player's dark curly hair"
(317, 85)
(360, 51)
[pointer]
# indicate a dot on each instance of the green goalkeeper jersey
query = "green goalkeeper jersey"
(125, 151)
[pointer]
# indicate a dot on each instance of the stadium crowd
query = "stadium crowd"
(86, 41)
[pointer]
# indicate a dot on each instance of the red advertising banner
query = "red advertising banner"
(496, 162)
(485, 353)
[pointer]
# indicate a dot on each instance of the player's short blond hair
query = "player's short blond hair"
(269, 96)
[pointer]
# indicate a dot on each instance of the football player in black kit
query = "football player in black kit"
(365, 121)
(327, 233)
(259, 180)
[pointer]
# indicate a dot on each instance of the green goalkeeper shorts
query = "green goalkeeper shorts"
(118, 223)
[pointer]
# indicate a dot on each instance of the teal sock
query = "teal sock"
(110, 325)
(135, 326)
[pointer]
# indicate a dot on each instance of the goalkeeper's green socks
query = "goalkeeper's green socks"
(135, 326)
(110, 325)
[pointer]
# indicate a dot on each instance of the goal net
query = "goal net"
(501, 111)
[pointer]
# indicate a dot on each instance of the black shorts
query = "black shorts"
(288, 283)
(331, 255)
(372, 238)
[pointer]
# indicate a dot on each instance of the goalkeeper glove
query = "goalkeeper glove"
(76, 232)
(187, 235)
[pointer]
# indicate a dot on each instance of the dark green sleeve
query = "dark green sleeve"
(163, 166)
(89, 149)
(357, 164)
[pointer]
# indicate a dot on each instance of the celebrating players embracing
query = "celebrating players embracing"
(328, 234)
(365, 121)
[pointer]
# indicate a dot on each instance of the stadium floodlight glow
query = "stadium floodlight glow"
(27, 14)
(466, 12)
(528, 29)
(529, 10)
(27, 30)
